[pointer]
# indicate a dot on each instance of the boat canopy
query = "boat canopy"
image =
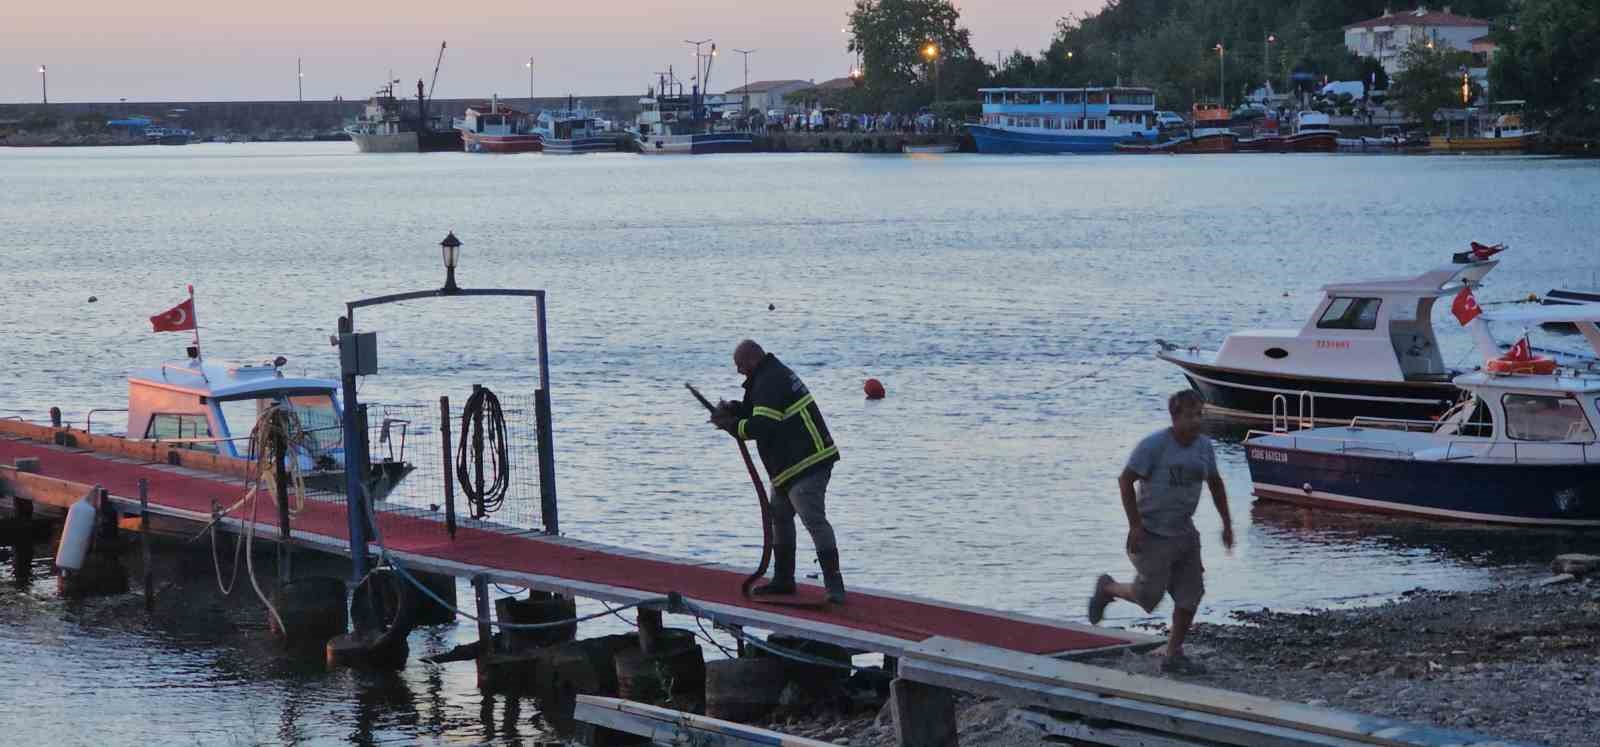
(1440, 282)
(186, 399)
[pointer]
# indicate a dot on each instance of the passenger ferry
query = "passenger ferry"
(1064, 120)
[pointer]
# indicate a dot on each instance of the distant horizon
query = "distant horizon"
(185, 51)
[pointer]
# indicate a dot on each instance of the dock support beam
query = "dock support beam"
(924, 715)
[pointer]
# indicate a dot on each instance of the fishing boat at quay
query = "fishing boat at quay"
(573, 131)
(1313, 133)
(1064, 120)
(1521, 450)
(495, 128)
(385, 127)
(1368, 350)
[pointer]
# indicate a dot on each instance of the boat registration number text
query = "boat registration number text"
(1333, 344)
(1269, 456)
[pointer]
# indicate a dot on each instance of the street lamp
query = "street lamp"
(299, 81)
(746, 53)
(451, 247)
(1266, 64)
(44, 85)
(529, 65)
(931, 54)
(1222, 75)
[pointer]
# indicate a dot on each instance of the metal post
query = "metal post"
(477, 455)
(449, 474)
(542, 418)
(649, 630)
(354, 463)
(299, 81)
(1222, 82)
(144, 544)
(480, 588)
(530, 86)
(44, 85)
(280, 478)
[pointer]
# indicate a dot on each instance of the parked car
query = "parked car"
(1169, 119)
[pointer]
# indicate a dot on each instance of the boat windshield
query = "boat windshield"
(1540, 417)
(318, 417)
(1350, 313)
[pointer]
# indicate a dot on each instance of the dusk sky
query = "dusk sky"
(188, 50)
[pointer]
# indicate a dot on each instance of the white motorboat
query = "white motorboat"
(1522, 450)
(1369, 349)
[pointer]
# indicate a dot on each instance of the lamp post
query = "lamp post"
(746, 53)
(931, 54)
(1266, 64)
(451, 247)
(44, 85)
(529, 65)
(1222, 75)
(299, 81)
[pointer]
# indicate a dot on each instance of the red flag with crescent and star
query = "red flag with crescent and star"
(179, 318)
(1465, 307)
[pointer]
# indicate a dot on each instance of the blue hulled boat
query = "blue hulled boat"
(1522, 450)
(1064, 120)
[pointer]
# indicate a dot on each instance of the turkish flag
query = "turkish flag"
(176, 319)
(1481, 252)
(1520, 351)
(1465, 307)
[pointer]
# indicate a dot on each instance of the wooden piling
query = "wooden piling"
(22, 510)
(144, 545)
(449, 474)
(924, 715)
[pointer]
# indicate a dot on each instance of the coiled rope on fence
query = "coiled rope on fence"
(484, 499)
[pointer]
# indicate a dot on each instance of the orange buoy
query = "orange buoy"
(874, 389)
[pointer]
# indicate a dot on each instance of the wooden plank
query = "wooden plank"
(48, 491)
(666, 726)
(1354, 726)
(1163, 719)
(142, 450)
(1082, 731)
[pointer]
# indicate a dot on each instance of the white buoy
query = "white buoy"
(77, 533)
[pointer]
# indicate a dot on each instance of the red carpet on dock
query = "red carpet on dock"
(537, 554)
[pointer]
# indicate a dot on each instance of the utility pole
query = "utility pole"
(746, 53)
(44, 85)
(300, 81)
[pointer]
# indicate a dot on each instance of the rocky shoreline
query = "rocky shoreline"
(1521, 661)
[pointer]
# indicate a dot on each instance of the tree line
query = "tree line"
(1193, 50)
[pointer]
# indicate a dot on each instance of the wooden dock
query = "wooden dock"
(940, 646)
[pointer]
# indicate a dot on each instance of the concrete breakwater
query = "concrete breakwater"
(263, 119)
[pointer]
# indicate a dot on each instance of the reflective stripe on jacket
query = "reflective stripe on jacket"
(783, 418)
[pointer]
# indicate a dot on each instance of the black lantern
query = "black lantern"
(451, 247)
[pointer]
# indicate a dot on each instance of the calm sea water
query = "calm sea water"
(1008, 304)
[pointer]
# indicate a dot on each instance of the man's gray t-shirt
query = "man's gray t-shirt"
(1173, 473)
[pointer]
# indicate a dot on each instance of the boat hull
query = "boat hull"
(685, 145)
(577, 146)
(1515, 144)
(1002, 141)
(474, 142)
(1312, 142)
(1213, 142)
(1261, 144)
(1247, 396)
(408, 142)
(1493, 492)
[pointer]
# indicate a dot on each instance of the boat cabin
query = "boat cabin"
(493, 119)
(1117, 109)
(212, 407)
(1371, 330)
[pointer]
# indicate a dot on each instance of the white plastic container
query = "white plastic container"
(77, 533)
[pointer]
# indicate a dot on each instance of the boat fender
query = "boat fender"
(384, 604)
(78, 532)
(874, 389)
(1306, 486)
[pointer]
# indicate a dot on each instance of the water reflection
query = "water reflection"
(1470, 544)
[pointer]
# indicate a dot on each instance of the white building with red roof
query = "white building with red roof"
(1384, 38)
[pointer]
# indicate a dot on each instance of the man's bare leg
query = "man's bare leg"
(1181, 620)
